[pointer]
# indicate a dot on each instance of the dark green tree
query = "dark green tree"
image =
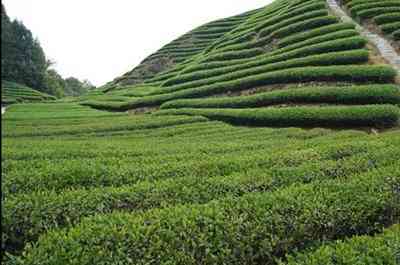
(22, 58)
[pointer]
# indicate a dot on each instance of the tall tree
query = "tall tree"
(22, 57)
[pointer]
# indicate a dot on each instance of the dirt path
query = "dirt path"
(384, 47)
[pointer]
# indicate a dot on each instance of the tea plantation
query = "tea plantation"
(271, 137)
(13, 93)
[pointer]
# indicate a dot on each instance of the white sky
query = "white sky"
(100, 40)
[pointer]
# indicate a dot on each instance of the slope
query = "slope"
(286, 45)
(15, 93)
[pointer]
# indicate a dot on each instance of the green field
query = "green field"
(15, 93)
(271, 137)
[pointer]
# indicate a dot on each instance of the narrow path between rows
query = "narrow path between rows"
(384, 47)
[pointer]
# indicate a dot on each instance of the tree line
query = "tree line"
(24, 61)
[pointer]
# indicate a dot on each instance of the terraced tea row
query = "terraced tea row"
(288, 42)
(384, 14)
(13, 93)
(253, 229)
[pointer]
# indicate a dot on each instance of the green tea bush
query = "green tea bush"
(304, 36)
(59, 209)
(356, 9)
(378, 249)
(387, 18)
(396, 35)
(330, 58)
(234, 55)
(391, 27)
(199, 72)
(370, 13)
(253, 229)
(332, 116)
(293, 20)
(351, 73)
(371, 94)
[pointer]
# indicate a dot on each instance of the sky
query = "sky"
(99, 40)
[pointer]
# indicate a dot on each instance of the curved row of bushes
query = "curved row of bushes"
(371, 94)
(329, 116)
(29, 215)
(253, 229)
(304, 36)
(200, 71)
(378, 249)
(349, 73)
(324, 59)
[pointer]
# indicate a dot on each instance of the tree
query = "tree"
(22, 57)
(55, 84)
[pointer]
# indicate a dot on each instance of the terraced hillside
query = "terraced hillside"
(179, 50)
(13, 93)
(295, 52)
(383, 15)
(223, 170)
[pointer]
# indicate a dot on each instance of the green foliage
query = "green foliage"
(253, 229)
(341, 116)
(371, 94)
(13, 93)
(22, 58)
(351, 73)
(379, 249)
(390, 27)
(387, 18)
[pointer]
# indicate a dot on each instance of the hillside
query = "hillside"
(16, 93)
(272, 52)
(270, 137)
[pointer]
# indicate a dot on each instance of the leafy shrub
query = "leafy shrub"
(253, 229)
(330, 58)
(292, 20)
(391, 27)
(342, 116)
(350, 73)
(303, 36)
(396, 35)
(372, 94)
(234, 55)
(370, 13)
(387, 18)
(379, 249)
(195, 73)
(59, 209)
(356, 9)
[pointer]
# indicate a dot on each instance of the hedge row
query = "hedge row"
(29, 215)
(371, 94)
(396, 35)
(356, 9)
(387, 18)
(197, 72)
(271, 19)
(378, 249)
(391, 27)
(253, 229)
(370, 13)
(292, 20)
(280, 17)
(332, 116)
(234, 55)
(351, 73)
(286, 31)
(330, 58)
(319, 39)
(303, 36)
